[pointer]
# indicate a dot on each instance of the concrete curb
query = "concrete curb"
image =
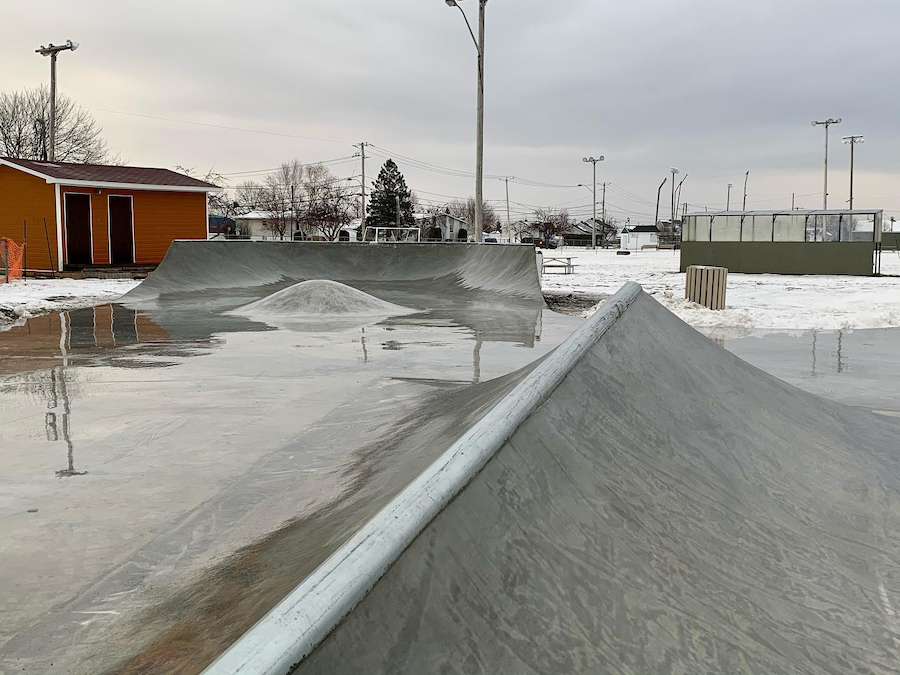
(296, 626)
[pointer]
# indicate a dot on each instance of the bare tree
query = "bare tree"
(25, 129)
(328, 203)
(552, 221)
(283, 189)
(465, 210)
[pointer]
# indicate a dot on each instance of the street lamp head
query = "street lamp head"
(451, 3)
(52, 49)
(674, 170)
(731, 185)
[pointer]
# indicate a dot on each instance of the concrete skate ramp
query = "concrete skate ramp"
(655, 506)
(321, 298)
(191, 266)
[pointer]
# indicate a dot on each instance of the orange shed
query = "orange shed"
(89, 215)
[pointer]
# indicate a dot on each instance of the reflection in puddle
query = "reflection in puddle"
(859, 367)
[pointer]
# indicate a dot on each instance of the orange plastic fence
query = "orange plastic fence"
(11, 260)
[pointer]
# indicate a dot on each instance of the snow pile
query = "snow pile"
(21, 300)
(756, 303)
(320, 298)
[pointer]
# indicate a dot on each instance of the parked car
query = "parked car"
(547, 243)
(490, 240)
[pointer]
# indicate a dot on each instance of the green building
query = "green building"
(785, 242)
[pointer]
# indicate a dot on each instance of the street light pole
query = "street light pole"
(678, 192)
(674, 173)
(52, 51)
(826, 123)
(594, 161)
(852, 141)
(658, 193)
(728, 200)
(479, 134)
(746, 177)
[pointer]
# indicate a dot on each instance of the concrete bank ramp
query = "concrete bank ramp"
(641, 502)
(191, 266)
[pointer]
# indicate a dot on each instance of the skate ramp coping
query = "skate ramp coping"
(297, 625)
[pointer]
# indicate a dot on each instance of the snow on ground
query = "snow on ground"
(21, 300)
(755, 303)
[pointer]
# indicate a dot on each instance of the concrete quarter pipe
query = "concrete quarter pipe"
(662, 507)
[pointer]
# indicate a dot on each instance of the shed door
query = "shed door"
(78, 229)
(121, 231)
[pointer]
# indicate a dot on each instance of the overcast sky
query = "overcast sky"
(714, 87)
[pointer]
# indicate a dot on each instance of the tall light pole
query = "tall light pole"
(746, 178)
(658, 193)
(678, 193)
(594, 161)
(51, 51)
(479, 134)
(852, 141)
(826, 123)
(674, 173)
(728, 200)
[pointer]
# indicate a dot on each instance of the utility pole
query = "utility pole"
(594, 160)
(479, 135)
(728, 201)
(603, 211)
(658, 193)
(792, 201)
(397, 200)
(674, 172)
(826, 123)
(852, 141)
(508, 221)
(362, 215)
(52, 52)
(479, 155)
(746, 176)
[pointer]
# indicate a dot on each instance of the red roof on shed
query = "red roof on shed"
(99, 173)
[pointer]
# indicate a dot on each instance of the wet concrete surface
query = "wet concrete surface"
(859, 367)
(178, 458)
(665, 510)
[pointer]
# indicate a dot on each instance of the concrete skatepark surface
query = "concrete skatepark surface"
(666, 507)
(179, 457)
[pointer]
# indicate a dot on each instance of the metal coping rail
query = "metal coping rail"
(303, 619)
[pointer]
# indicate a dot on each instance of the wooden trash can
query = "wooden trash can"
(706, 285)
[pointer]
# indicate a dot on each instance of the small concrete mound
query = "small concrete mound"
(321, 298)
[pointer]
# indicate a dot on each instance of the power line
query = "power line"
(217, 126)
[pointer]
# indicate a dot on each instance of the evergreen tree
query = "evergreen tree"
(383, 206)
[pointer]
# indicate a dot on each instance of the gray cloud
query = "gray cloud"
(714, 87)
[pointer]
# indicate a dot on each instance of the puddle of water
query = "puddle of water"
(119, 423)
(859, 367)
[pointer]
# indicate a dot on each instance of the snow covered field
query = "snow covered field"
(756, 303)
(21, 300)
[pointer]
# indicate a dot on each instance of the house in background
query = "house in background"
(221, 226)
(261, 226)
(74, 216)
(582, 234)
(635, 237)
(442, 227)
